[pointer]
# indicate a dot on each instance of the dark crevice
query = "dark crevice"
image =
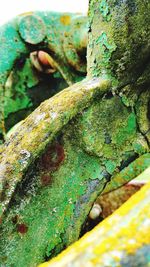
(126, 163)
(89, 224)
(134, 81)
(139, 130)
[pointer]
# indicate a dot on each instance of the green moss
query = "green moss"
(52, 213)
(127, 32)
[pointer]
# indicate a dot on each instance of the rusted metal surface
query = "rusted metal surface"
(123, 239)
(85, 139)
(62, 36)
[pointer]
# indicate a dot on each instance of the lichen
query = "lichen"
(105, 10)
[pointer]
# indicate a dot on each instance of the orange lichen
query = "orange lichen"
(65, 20)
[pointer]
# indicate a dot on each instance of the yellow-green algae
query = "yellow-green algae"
(123, 51)
(116, 240)
(50, 205)
(88, 140)
(53, 213)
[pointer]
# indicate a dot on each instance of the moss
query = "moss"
(43, 128)
(127, 30)
(105, 133)
(68, 149)
(120, 240)
(52, 215)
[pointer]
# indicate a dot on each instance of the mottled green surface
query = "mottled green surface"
(48, 31)
(52, 195)
(52, 211)
(73, 144)
(118, 39)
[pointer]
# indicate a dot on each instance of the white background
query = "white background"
(11, 8)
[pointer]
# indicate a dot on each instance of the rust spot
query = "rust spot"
(46, 179)
(1, 220)
(22, 228)
(65, 20)
(53, 157)
(15, 219)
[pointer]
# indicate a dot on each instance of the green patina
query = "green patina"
(107, 47)
(56, 205)
(60, 158)
(128, 129)
(110, 166)
(105, 10)
(18, 39)
(16, 94)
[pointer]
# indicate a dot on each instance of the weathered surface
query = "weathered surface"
(22, 87)
(42, 126)
(128, 173)
(119, 40)
(123, 239)
(48, 181)
(68, 149)
(111, 201)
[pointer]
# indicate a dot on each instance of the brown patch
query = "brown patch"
(53, 157)
(7, 185)
(65, 20)
(46, 179)
(22, 228)
(4, 192)
(15, 219)
(4, 259)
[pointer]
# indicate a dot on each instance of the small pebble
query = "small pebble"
(95, 211)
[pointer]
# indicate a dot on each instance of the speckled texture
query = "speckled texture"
(48, 31)
(50, 196)
(42, 129)
(118, 39)
(76, 142)
(120, 240)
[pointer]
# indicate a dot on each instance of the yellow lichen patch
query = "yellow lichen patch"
(26, 13)
(57, 111)
(65, 20)
(120, 235)
(127, 174)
